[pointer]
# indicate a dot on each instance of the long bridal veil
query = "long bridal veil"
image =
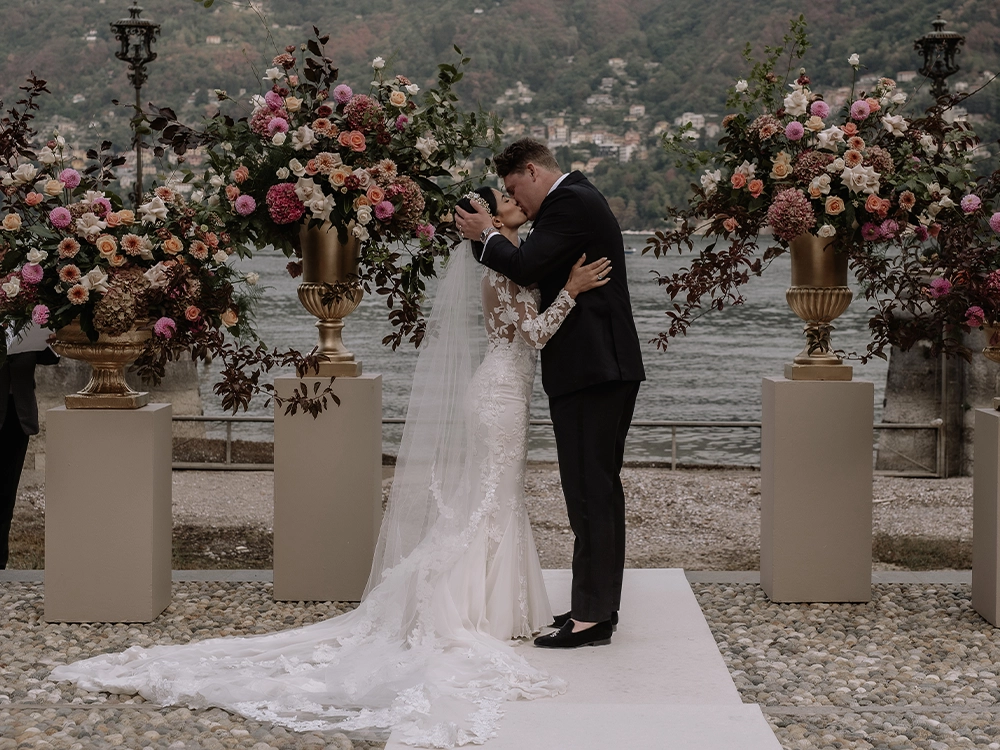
(415, 656)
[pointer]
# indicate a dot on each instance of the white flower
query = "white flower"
(747, 169)
(89, 225)
(361, 233)
(820, 185)
(946, 202)
(854, 61)
(60, 141)
(899, 97)
(24, 174)
(157, 276)
(146, 249)
(364, 214)
(836, 166)
(320, 205)
(829, 138)
(281, 173)
(47, 156)
(895, 124)
(297, 169)
(197, 196)
(36, 256)
(861, 179)
(827, 230)
(155, 210)
(90, 196)
(741, 85)
(293, 103)
(797, 102)
(252, 278)
(216, 181)
(258, 102)
(426, 146)
(213, 201)
(306, 188)
(96, 281)
(364, 178)
(412, 89)
(12, 287)
(227, 146)
(220, 257)
(378, 63)
(927, 142)
(273, 74)
(303, 137)
(278, 139)
(710, 181)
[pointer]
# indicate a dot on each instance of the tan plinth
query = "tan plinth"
(816, 490)
(327, 492)
(986, 516)
(107, 514)
(796, 371)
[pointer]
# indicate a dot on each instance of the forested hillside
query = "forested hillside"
(670, 57)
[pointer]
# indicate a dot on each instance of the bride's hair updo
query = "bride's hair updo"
(486, 198)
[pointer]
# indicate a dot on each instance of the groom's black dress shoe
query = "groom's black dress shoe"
(559, 620)
(598, 635)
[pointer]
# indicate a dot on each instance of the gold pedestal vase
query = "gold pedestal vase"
(108, 358)
(992, 349)
(330, 269)
(819, 295)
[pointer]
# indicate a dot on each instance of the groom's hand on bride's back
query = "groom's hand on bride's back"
(583, 278)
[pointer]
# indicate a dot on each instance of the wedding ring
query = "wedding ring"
(599, 277)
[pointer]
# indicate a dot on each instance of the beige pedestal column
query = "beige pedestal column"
(327, 492)
(816, 490)
(986, 516)
(108, 518)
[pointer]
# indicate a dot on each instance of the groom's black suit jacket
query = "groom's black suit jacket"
(598, 342)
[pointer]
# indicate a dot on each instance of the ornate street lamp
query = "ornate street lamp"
(136, 36)
(939, 48)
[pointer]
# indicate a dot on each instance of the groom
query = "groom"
(591, 368)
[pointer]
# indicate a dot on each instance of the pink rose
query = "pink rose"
(33, 198)
(274, 100)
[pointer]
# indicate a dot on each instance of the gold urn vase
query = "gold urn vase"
(992, 349)
(108, 357)
(819, 295)
(330, 270)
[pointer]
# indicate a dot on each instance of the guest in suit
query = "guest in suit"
(19, 418)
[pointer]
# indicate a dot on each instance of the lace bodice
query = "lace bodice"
(511, 312)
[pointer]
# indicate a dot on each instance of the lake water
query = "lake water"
(712, 374)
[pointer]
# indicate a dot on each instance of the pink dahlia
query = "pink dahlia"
(60, 217)
(939, 288)
(790, 214)
(425, 231)
(69, 178)
(40, 315)
(283, 205)
(971, 203)
(975, 317)
(342, 94)
(860, 110)
(277, 125)
(889, 228)
(245, 205)
(995, 222)
(384, 210)
(165, 328)
(820, 109)
(32, 273)
(794, 130)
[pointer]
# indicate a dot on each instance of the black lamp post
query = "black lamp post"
(136, 36)
(939, 48)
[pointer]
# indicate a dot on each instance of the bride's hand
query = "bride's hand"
(586, 277)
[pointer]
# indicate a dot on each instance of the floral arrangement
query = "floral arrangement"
(877, 182)
(384, 165)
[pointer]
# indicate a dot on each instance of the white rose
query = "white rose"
(364, 178)
(278, 139)
(836, 166)
(60, 141)
(854, 61)
(412, 89)
(281, 173)
(747, 169)
(927, 142)
(252, 278)
(25, 174)
(96, 281)
(855, 178)
(820, 184)
(258, 102)
(297, 169)
(36, 256)
(797, 102)
(213, 201)
(895, 124)
(197, 196)
(157, 276)
(220, 257)
(146, 249)
(827, 230)
(741, 86)
(899, 97)
(303, 137)
(216, 181)
(47, 156)
(710, 181)
(153, 211)
(378, 63)
(934, 209)
(273, 74)
(361, 233)
(320, 205)
(364, 214)
(306, 188)
(89, 225)
(227, 146)
(946, 202)
(293, 104)
(426, 146)
(829, 138)
(12, 287)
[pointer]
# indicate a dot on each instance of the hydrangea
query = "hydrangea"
(283, 205)
(363, 113)
(811, 164)
(880, 160)
(791, 214)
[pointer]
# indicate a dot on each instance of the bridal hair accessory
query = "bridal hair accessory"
(477, 198)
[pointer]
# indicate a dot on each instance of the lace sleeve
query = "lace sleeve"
(536, 328)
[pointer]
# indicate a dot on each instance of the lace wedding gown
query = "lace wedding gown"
(427, 652)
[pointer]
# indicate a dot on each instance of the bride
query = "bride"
(456, 575)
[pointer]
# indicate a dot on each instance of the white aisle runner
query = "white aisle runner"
(660, 685)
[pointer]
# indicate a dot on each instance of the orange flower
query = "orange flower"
(873, 104)
(127, 216)
(241, 174)
(834, 205)
(344, 139)
(377, 195)
(192, 313)
(33, 198)
(230, 318)
(756, 187)
(850, 129)
(907, 200)
(106, 244)
(132, 244)
(69, 248)
(312, 167)
(357, 141)
(198, 250)
(873, 204)
(173, 245)
(117, 260)
(112, 219)
(856, 142)
(738, 180)
(212, 239)
(78, 294)
(730, 224)
(362, 200)
(884, 208)
(69, 274)
(232, 192)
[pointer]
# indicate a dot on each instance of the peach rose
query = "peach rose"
(738, 180)
(834, 205)
(873, 104)
(815, 124)
(230, 318)
(241, 174)
(338, 176)
(873, 204)
(192, 313)
(312, 167)
(127, 217)
(106, 244)
(232, 193)
(377, 195)
(780, 170)
(112, 219)
(117, 260)
(33, 198)
(756, 187)
(11, 222)
(53, 188)
(849, 128)
(212, 239)
(730, 224)
(173, 245)
(357, 141)
(397, 99)
(362, 200)
(344, 139)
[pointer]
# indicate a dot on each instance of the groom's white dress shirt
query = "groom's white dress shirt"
(493, 232)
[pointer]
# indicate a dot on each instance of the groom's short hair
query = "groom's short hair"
(516, 156)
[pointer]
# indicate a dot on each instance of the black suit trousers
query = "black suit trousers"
(13, 448)
(590, 426)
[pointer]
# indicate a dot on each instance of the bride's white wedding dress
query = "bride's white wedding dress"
(456, 575)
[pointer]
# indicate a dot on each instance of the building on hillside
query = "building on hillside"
(91, 35)
(518, 94)
(581, 136)
(213, 39)
(661, 126)
(905, 76)
(592, 164)
(600, 100)
(712, 129)
(626, 152)
(695, 120)
(637, 110)
(538, 132)
(618, 65)
(578, 166)
(607, 83)
(584, 121)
